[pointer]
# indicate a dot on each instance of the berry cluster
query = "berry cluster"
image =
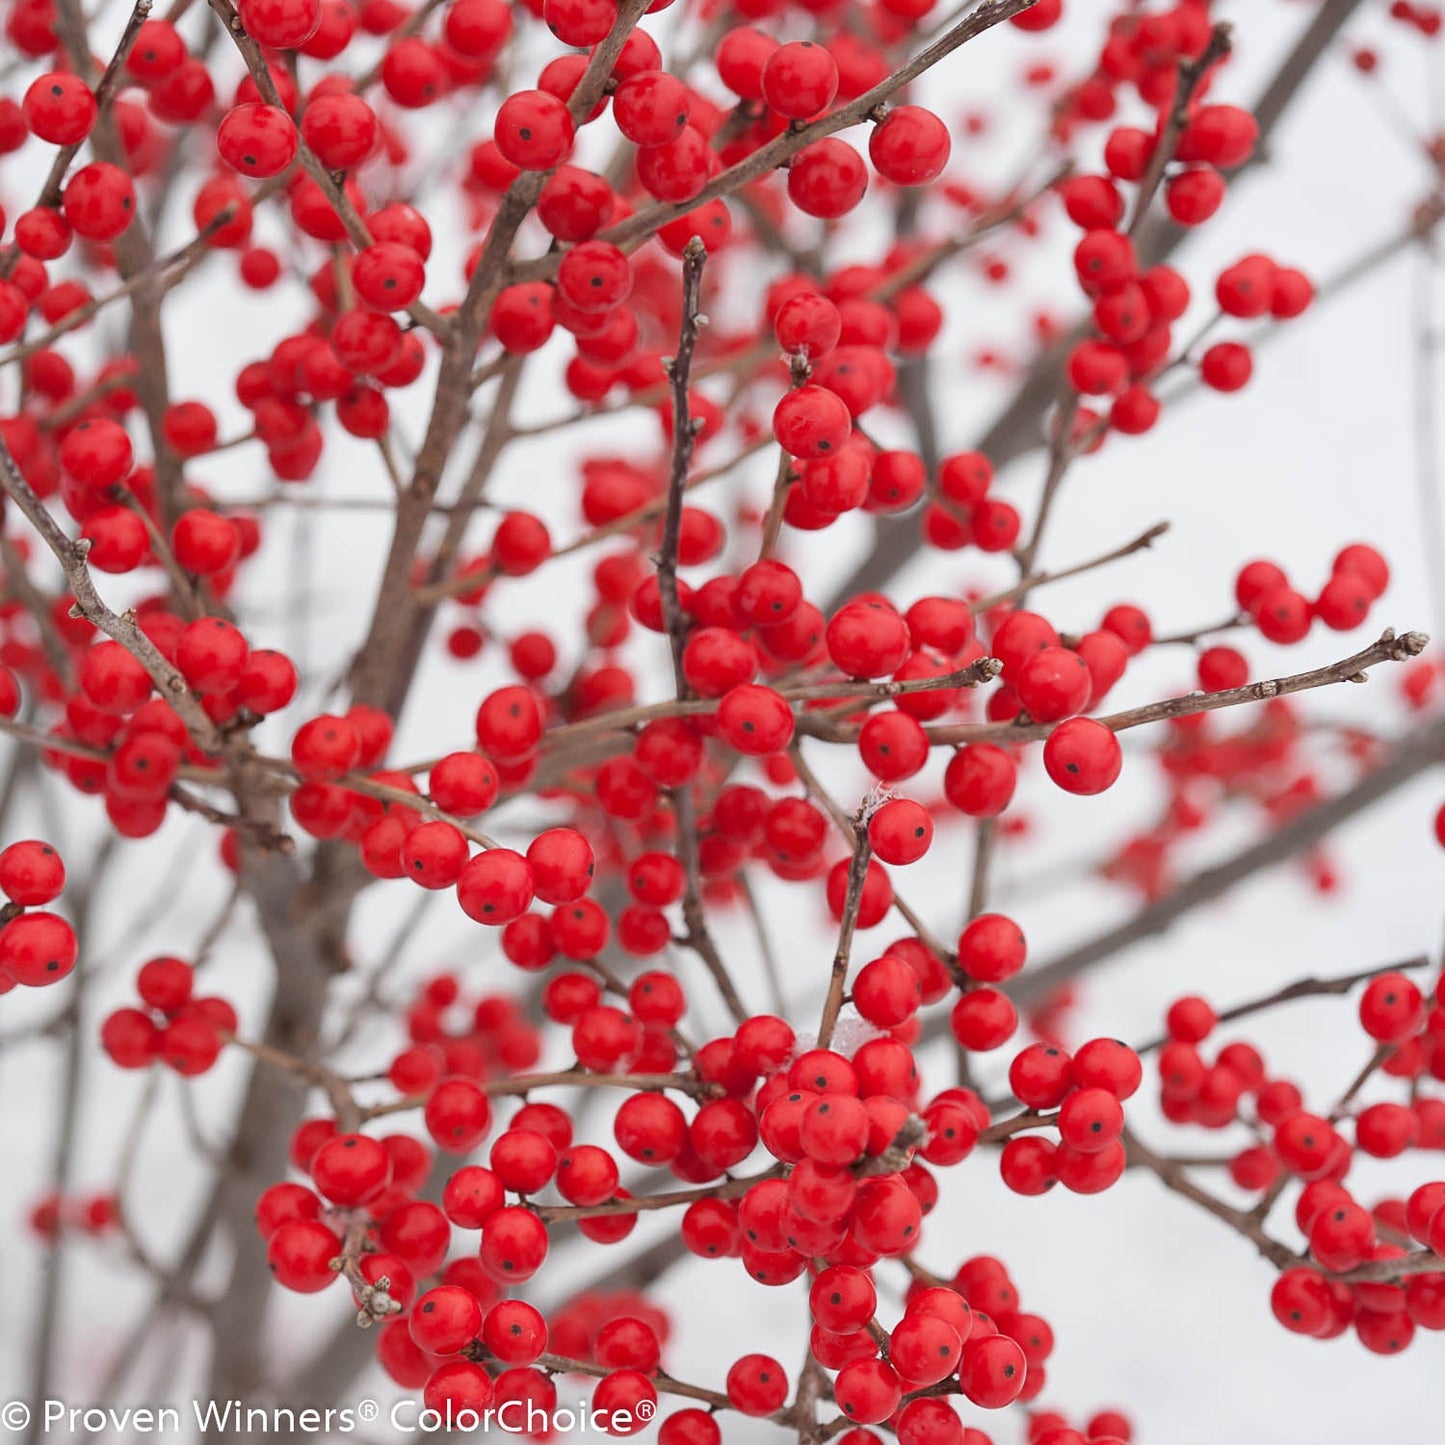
(37, 948)
(93, 1215)
(176, 1026)
(133, 745)
(1335, 1289)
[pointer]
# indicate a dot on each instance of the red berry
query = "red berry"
(351, 1169)
(37, 949)
(799, 79)
(32, 873)
(900, 831)
(1391, 1008)
(299, 1255)
(910, 147)
(868, 1391)
(992, 1372)
(60, 108)
(257, 140)
(1083, 756)
(533, 130)
(757, 1385)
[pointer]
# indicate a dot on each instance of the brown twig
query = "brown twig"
(122, 629)
(1191, 75)
(1032, 580)
(852, 901)
(1389, 648)
(1173, 1178)
(1300, 988)
(698, 936)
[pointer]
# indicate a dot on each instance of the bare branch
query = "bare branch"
(852, 901)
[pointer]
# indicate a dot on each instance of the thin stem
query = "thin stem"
(122, 629)
(848, 924)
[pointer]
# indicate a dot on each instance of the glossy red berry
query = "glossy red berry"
(1083, 756)
(534, 130)
(445, 1319)
(757, 1385)
(341, 129)
(300, 1253)
(257, 140)
(351, 1169)
(1391, 1008)
(651, 108)
(900, 831)
(37, 949)
(495, 886)
(991, 948)
(32, 873)
(811, 422)
(992, 1372)
(60, 108)
(99, 201)
(827, 179)
(755, 720)
(868, 1391)
(910, 147)
(799, 79)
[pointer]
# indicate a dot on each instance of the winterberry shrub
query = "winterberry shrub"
(569, 324)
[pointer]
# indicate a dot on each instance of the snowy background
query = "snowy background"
(1155, 1307)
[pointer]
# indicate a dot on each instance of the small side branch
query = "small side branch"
(1300, 988)
(852, 902)
(1389, 648)
(122, 629)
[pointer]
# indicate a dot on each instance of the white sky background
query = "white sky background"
(1154, 1305)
